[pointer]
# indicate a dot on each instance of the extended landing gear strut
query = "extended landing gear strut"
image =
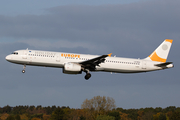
(88, 75)
(24, 67)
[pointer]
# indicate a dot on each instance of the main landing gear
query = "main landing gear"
(24, 67)
(88, 75)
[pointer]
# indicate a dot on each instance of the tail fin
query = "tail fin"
(161, 53)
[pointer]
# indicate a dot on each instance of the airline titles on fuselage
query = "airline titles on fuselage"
(70, 55)
(53, 54)
(45, 53)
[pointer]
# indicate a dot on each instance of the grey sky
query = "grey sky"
(132, 29)
(18, 7)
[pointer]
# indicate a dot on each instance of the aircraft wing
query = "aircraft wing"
(92, 63)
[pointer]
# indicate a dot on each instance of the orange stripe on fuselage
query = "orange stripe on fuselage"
(155, 57)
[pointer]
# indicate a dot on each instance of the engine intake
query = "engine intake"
(72, 68)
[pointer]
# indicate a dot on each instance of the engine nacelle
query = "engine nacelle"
(72, 68)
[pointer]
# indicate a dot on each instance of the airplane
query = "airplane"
(73, 63)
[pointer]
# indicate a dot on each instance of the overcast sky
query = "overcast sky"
(127, 29)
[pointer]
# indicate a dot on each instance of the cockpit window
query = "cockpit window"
(15, 53)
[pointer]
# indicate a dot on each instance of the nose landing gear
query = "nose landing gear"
(24, 67)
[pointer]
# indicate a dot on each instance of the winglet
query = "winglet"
(110, 54)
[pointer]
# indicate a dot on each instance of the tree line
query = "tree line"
(97, 108)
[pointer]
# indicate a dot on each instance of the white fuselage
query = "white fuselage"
(58, 59)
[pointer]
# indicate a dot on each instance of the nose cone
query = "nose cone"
(8, 58)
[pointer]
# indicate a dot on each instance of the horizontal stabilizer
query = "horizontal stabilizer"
(165, 65)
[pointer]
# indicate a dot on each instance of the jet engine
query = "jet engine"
(72, 68)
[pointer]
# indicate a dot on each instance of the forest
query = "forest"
(97, 108)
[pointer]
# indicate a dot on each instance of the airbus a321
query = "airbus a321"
(72, 63)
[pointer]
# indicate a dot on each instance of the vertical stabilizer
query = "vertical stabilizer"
(161, 53)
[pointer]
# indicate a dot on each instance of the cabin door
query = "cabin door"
(58, 58)
(25, 54)
(144, 64)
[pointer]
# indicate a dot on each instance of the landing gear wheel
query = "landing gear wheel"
(24, 67)
(87, 76)
(23, 71)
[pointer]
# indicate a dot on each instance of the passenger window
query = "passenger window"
(15, 53)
